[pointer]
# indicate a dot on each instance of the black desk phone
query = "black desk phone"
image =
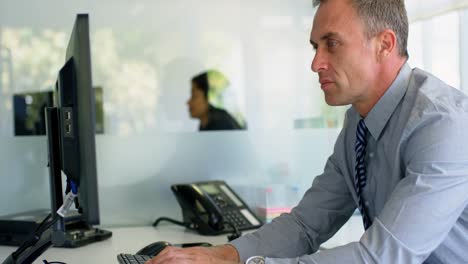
(210, 206)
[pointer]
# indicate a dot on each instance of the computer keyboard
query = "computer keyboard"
(132, 259)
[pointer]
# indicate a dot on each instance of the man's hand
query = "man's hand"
(225, 254)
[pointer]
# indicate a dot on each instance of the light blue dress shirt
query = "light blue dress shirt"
(416, 192)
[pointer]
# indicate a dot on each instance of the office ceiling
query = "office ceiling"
(52, 13)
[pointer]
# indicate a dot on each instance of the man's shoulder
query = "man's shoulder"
(431, 94)
(429, 102)
(433, 115)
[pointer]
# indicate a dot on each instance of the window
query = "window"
(434, 45)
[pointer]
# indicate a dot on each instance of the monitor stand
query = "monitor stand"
(78, 234)
(70, 232)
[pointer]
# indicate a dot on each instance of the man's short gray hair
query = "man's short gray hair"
(378, 15)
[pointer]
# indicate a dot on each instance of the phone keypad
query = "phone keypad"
(231, 212)
(236, 219)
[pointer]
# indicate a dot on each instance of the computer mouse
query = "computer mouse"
(153, 249)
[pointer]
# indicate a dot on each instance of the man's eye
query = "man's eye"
(332, 43)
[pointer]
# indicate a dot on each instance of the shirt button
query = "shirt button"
(371, 155)
(367, 203)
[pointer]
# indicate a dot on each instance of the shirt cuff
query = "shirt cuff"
(245, 247)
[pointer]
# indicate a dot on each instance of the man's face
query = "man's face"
(197, 104)
(345, 59)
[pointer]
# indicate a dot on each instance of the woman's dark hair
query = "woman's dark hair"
(201, 81)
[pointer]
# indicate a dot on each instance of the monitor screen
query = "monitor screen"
(76, 108)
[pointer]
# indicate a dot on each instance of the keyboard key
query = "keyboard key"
(132, 259)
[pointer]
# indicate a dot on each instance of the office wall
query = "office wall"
(144, 54)
(246, 160)
(135, 172)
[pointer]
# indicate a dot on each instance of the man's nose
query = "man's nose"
(319, 63)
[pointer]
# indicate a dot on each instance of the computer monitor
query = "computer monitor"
(76, 109)
(70, 128)
(75, 155)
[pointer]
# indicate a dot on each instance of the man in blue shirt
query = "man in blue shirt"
(401, 157)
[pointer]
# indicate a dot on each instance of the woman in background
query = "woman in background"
(211, 118)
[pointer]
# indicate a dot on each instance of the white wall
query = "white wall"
(144, 54)
(135, 172)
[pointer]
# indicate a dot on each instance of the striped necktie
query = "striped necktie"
(360, 175)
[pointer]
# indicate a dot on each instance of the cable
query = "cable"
(53, 262)
(42, 223)
(36, 235)
(74, 187)
(52, 222)
(157, 221)
(235, 234)
(42, 227)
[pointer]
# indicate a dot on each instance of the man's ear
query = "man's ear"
(387, 44)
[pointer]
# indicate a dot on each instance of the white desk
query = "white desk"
(131, 239)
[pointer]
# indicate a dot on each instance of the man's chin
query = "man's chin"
(335, 102)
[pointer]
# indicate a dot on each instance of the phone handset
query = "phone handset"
(204, 210)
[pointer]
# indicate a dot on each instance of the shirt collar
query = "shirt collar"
(383, 110)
